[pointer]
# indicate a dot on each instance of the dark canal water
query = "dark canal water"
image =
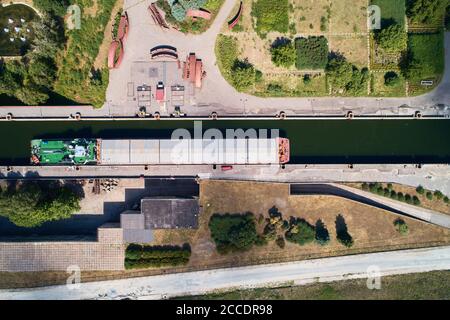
(312, 141)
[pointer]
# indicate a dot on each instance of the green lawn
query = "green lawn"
(420, 286)
(379, 89)
(271, 16)
(392, 11)
(428, 49)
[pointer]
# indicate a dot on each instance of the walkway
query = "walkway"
(374, 200)
(201, 282)
(217, 95)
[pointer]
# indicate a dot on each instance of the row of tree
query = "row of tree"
(139, 256)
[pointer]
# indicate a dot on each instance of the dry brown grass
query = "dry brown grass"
(308, 13)
(372, 230)
(348, 16)
(354, 48)
(434, 204)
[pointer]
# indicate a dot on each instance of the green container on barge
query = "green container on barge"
(64, 152)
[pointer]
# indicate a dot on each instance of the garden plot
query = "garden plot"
(348, 16)
(353, 48)
(310, 16)
(379, 88)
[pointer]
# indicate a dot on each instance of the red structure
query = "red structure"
(193, 70)
(235, 19)
(157, 17)
(201, 13)
(116, 49)
(283, 150)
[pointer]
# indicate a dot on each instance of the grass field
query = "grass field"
(419, 286)
(78, 79)
(379, 89)
(392, 11)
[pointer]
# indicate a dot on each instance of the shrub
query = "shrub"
(243, 75)
(365, 186)
(312, 52)
(391, 79)
(322, 234)
(271, 16)
(300, 232)
(342, 234)
(426, 12)
(280, 242)
(401, 226)
(387, 192)
(380, 191)
(420, 190)
(144, 256)
(393, 38)
(438, 194)
(400, 196)
(416, 201)
(389, 185)
(346, 78)
(446, 199)
(408, 199)
(233, 232)
(307, 79)
(393, 195)
(284, 54)
(429, 195)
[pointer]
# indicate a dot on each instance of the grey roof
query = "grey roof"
(132, 223)
(137, 236)
(170, 213)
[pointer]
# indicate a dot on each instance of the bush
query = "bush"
(284, 54)
(446, 199)
(408, 199)
(426, 12)
(393, 195)
(144, 256)
(387, 192)
(429, 195)
(280, 242)
(416, 201)
(342, 234)
(322, 234)
(438, 194)
(300, 232)
(345, 78)
(243, 75)
(365, 186)
(380, 191)
(400, 196)
(233, 232)
(401, 227)
(271, 16)
(420, 190)
(391, 79)
(393, 38)
(389, 185)
(312, 52)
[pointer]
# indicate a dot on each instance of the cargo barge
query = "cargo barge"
(79, 152)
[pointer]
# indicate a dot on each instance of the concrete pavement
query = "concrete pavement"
(302, 272)
(433, 177)
(217, 95)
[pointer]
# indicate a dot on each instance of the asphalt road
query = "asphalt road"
(301, 272)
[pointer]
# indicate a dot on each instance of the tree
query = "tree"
(57, 7)
(346, 78)
(243, 75)
(30, 205)
(420, 190)
(342, 234)
(426, 11)
(300, 232)
(393, 38)
(401, 226)
(284, 55)
(233, 232)
(429, 195)
(322, 234)
(178, 12)
(391, 79)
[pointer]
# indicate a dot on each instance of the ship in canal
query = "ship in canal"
(78, 152)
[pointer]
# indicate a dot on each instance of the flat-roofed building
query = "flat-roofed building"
(170, 213)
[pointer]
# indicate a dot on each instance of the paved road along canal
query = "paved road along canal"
(312, 141)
